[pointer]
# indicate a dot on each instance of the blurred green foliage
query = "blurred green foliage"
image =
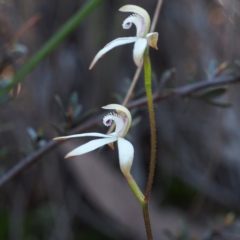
(179, 194)
(3, 223)
(39, 224)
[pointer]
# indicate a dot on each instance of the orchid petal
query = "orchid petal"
(81, 135)
(111, 45)
(142, 12)
(138, 51)
(125, 152)
(90, 146)
(152, 39)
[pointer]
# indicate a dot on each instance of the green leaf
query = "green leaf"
(213, 93)
(237, 62)
(40, 132)
(185, 231)
(57, 129)
(117, 97)
(217, 103)
(32, 133)
(59, 102)
(73, 100)
(136, 121)
(169, 234)
(167, 74)
(140, 93)
(86, 115)
(77, 112)
(212, 68)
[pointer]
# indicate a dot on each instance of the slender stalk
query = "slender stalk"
(148, 86)
(133, 84)
(144, 203)
(133, 185)
(147, 220)
(52, 43)
(156, 15)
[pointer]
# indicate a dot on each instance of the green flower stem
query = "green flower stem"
(53, 42)
(139, 195)
(148, 86)
(133, 185)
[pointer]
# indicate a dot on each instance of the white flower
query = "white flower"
(122, 120)
(141, 20)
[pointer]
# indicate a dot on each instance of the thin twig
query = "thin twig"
(33, 157)
(156, 15)
(185, 91)
(25, 27)
(132, 86)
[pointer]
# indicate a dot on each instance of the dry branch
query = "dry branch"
(184, 91)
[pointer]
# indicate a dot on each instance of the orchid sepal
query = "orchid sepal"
(138, 50)
(125, 153)
(90, 146)
(93, 134)
(152, 40)
(111, 45)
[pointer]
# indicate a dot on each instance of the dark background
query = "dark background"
(198, 170)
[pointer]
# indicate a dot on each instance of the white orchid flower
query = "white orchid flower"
(122, 120)
(141, 20)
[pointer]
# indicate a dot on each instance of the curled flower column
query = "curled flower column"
(141, 20)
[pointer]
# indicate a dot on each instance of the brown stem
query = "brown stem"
(147, 220)
(148, 86)
(185, 91)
